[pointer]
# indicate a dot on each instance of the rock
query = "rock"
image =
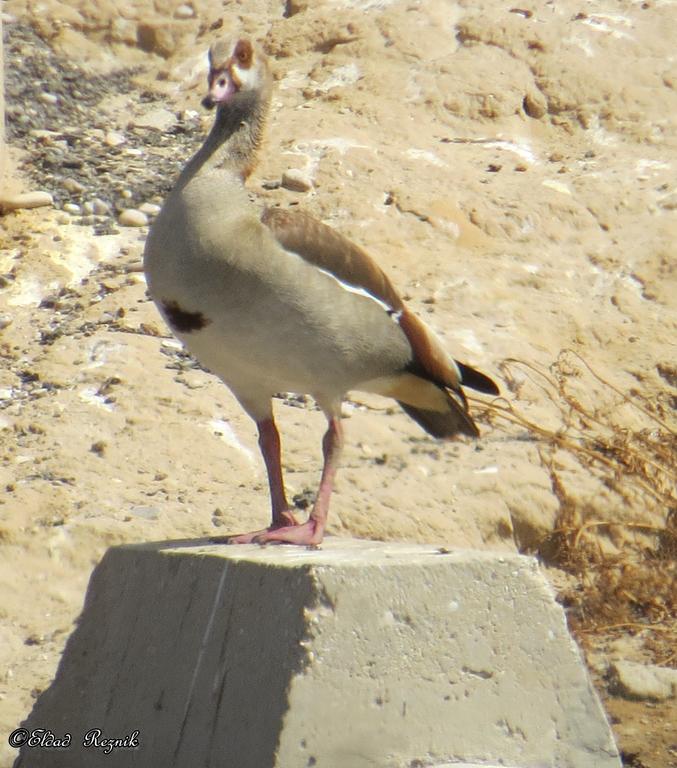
(558, 186)
(292, 7)
(113, 139)
(100, 207)
(131, 217)
(669, 202)
(25, 200)
(73, 186)
(147, 513)
(150, 209)
(535, 105)
(72, 208)
(158, 119)
(44, 135)
(296, 180)
(171, 344)
(48, 98)
(642, 682)
(160, 37)
(123, 31)
(184, 11)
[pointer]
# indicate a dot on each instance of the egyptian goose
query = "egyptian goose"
(279, 302)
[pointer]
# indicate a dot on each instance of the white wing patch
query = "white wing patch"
(393, 314)
(457, 370)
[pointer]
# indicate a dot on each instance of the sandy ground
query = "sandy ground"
(513, 171)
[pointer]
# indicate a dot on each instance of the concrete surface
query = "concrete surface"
(359, 654)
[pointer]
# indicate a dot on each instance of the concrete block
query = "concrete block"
(356, 655)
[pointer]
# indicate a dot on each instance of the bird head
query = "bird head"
(235, 67)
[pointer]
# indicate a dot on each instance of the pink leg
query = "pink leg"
(269, 443)
(312, 531)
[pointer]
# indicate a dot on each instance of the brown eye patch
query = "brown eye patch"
(243, 53)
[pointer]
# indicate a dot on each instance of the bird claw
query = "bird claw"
(308, 534)
(285, 530)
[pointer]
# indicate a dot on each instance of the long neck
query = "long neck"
(233, 141)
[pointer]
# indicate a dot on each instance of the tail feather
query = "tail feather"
(470, 377)
(445, 423)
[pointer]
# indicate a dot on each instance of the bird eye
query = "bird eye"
(222, 82)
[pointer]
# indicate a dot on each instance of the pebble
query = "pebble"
(114, 139)
(44, 135)
(158, 119)
(73, 186)
(88, 208)
(48, 98)
(158, 36)
(184, 11)
(25, 200)
(72, 208)
(123, 31)
(150, 209)
(147, 513)
(131, 217)
(296, 6)
(192, 382)
(100, 207)
(535, 105)
(642, 682)
(669, 202)
(296, 180)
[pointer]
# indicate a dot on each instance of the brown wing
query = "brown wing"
(329, 250)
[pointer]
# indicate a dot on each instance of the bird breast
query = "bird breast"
(266, 315)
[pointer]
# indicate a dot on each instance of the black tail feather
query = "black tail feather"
(476, 380)
(443, 423)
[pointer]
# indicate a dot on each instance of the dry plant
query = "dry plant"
(625, 570)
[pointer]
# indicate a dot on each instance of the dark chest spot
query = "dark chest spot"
(182, 320)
